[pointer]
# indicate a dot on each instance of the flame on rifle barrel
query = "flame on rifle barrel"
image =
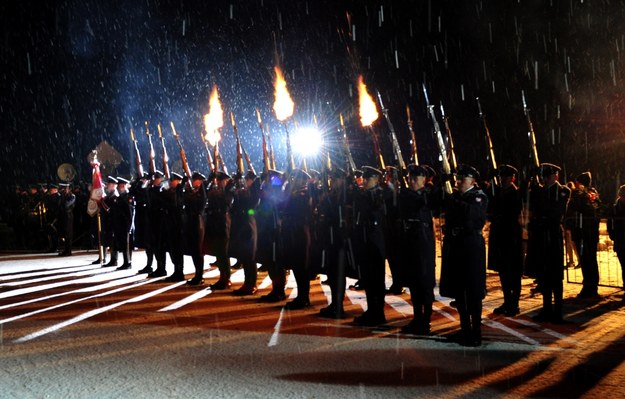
(214, 120)
(283, 105)
(367, 110)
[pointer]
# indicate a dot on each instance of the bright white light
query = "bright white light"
(307, 141)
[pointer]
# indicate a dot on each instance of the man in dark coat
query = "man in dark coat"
(548, 203)
(505, 251)
(584, 207)
(194, 219)
(53, 211)
(218, 223)
(418, 204)
(616, 228)
(172, 226)
(122, 212)
(463, 268)
(269, 248)
(369, 228)
(243, 236)
(66, 219)
(296, 215)
(107, 230)
(141, 236)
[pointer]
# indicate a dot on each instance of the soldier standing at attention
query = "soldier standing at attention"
(296, 214)
(548, 203)
(616, 228)
(463, 268)
(584, 207)
(66, 219)
(505, 251)
(369, 226)
(418, 204)
(194, 214)
(141, 237)
(157, 208)
(217, 238)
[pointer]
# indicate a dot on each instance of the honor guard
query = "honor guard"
(66, 218)
(194, 219)
(172, 231)
(141, 235)
(463, 267)
(418, 204)
(505, 251)
(548, 203)
(218, 222)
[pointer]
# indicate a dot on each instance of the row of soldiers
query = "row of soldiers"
(42, 217)
(348, 225)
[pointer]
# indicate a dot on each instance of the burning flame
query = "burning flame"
(283, 106)
(214, 119)
(368, 111)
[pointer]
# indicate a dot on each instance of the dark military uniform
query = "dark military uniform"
(53, 211)
(66, 219)
(545, 245)
(505, 250)
(218, 223)
(369, 240)
(194, 218)
(296, 214)
(463, 268)
(418, 248)
(269, 245)
(243, 236)
(123, 214)
(139, 190)
(616, 228)
(157, 207)
(172, 226)
(393, 234)
(584, 208)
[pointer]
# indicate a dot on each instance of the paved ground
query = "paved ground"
(71, 329)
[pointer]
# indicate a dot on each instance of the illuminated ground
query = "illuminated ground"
(73, 330)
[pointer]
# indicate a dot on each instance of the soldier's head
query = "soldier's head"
(53, 189)
(549, 173)
(467, 176)
(250, 177)
(174, 179)
(299, 178)
(360, 181)
(32, 189)
(65, 188)
(197, 179)
(157, 178)
(584, 180)
(508, 175)
(371, 176)
(222, 179)
(122, 184)
(621, 191)
(337, 177)
(111, 183)
(417, 176)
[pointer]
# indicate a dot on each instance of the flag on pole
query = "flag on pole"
(97, 188)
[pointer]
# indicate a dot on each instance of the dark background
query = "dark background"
(75, 73)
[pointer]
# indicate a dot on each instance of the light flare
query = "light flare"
(214, 120)
(283, 105)
(367, 110)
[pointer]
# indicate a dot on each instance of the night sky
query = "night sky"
(75, 73)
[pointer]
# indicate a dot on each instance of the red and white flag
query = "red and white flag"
(97, 189)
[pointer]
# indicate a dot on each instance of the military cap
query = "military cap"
(507, 170)
(548, 169)
(52, 185)
(157, 174)
(418, 170)
(111, 179)
(175, 176)
(584, 178)
(221, 175)
(250, 175)
(32, 185)
(64, 185)
(300, 174)
(370, 171)
(357, 173)
(275, 177)
(197, 176)
(431, 171)
(468, 171)
(145, 175)
(337, 172)
(121, 180)
(314, 173)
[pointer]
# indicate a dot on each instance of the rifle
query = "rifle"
(271, 153)
(290, 161)
(440, 141)
(349, 160)
(489, 142)
(413, 139)
(209, 157)
(239, 150)
(137, 154)
(152, 153)
(165, 157)
(452, 151)
(396, 148)
(531, 134)
(248, 161)
(183, 155)
(266, 161)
